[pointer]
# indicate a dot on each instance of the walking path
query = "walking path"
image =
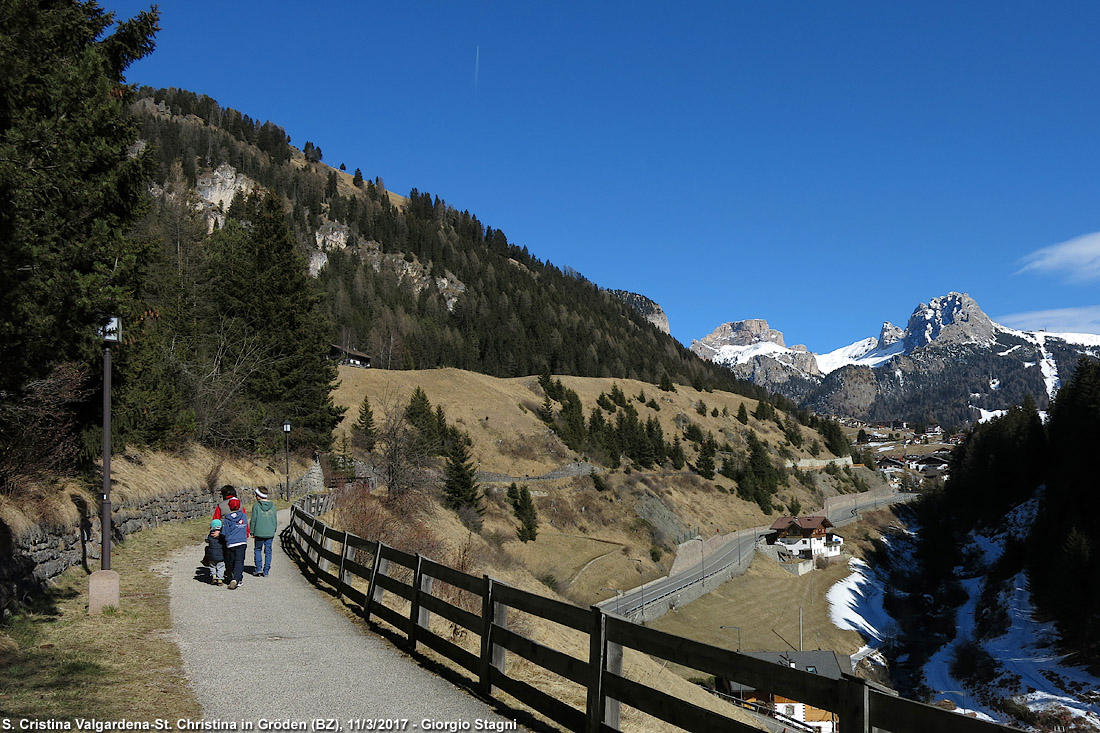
(276, 650)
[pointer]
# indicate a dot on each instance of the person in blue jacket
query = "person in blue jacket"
(235, 531)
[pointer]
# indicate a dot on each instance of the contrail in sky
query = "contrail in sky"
(477, 66)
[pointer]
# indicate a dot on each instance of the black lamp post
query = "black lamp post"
(286, 455)
(112, 333)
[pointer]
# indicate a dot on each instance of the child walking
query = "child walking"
(236, 540)
(214, 559)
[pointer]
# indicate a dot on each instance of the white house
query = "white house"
(808, 537)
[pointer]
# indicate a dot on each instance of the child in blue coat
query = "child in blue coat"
(214, 559)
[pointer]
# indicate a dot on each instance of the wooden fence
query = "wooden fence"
(860, 707)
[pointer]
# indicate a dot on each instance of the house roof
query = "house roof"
(350, 352)
(825, 663)
(811, 522)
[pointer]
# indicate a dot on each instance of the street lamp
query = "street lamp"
(740, 687)
(112, 334)
(702, 566)
(286, 455)
(103, 584)
(618, 596)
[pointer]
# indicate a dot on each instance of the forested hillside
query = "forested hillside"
(1013, 459)
(225, 331)
(517, 314)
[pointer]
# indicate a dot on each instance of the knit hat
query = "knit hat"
(234, 504)
(260, 494)
(216, 524)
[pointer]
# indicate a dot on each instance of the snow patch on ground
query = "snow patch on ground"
(1025, 651)
(856, 603)
(1037, 675)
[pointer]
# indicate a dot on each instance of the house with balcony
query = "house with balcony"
(805, 537)
(793, 714)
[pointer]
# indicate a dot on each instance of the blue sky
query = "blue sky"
(825, 166)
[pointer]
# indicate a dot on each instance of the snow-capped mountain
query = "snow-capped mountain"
(950, 364)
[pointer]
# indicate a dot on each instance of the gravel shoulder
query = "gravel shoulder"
(276, 649)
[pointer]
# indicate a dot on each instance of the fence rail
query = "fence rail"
(859, 707)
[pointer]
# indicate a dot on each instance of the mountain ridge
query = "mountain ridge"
(949, 340)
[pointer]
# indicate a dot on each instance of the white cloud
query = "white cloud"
(1085, 319)
(1078, 259)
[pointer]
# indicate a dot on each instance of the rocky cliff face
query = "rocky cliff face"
(951, 364)
(738, 333)
(953, 319)
(217, 189)
(652, 312)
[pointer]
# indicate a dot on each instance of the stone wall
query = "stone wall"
(29, 562)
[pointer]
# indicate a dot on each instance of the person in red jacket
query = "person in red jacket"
(228, 492)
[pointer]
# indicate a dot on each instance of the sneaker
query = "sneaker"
(232, 585)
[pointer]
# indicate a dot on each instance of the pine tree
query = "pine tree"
(524, 508)
(742, 415)
(546, 411)
(357, 179)
(265, 308)
(666, 384)
(70, 181)
(704, 466)
(364, 434)
(421, 417)
(460, 488)
(676, 454)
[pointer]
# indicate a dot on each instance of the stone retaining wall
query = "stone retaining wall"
(30, 561)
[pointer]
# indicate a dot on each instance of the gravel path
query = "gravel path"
(276, 650)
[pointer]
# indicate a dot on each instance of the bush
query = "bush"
(655, 554)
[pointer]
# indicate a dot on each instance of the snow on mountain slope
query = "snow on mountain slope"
(848, 355)
(845, 355)
(734, 354)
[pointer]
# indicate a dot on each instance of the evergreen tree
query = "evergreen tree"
(364, 434)
(357, 179)
(421, 417)
(546, 411)
(676, 454)
(666, 384)
(704, 466)
(524, 508)
(70, 182)
(264, 305)
(742, 415)
(460, 488)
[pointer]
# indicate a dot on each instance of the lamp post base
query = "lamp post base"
(102, 591)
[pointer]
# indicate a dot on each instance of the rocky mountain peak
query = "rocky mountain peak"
(743, 333)
(889, 334)
(954, 318)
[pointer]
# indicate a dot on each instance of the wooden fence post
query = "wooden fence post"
(340, 575)
(381, 567)
(597, 649)
(492, 655)
(855, 705)
(415, 615)
(613, 663)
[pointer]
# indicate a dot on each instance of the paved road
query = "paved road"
(276, 649)
(739, 547)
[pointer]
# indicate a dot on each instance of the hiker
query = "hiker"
(262, 525)
(235, 529)
(214, 559)
(228, 492)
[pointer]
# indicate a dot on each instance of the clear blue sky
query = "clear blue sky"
(823, 165)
